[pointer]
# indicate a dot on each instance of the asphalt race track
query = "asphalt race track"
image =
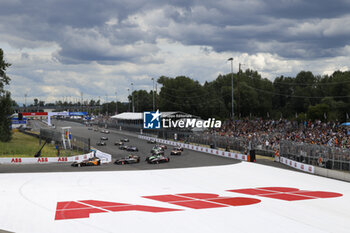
(187, 159)
(199, 193)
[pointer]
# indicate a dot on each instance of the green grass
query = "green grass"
(23, 145)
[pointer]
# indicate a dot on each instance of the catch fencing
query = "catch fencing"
(232, 143)
(77, 143)
(323, 156)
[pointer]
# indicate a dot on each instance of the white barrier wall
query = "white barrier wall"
(105, 158)
(199, 148)
(300, 166)
(18, 160)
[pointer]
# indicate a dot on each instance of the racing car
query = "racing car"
(151, 141)
(104, 138)
(156, 148)
(178, 148)
(101, 143)
(128, 160)
(123, 147)
(175, 151)
(124, 140)
(157, 152)
(155, 159)
(94, 161)
(163, 146)
(132, 148)
(119, 143)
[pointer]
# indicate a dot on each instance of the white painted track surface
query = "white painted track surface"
(29, 201)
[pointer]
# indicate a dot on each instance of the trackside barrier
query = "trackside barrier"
(297, 165)
(199, 148)
(339, 175)
(105, 158)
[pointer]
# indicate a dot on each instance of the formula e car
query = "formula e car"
(119, 143)
(157, 151)
(123, 147)
(101, 143)
(128, 160)
(178, 148)
(124, 140)
(104, 138)
(156, 148)
(163, 146)
(151, 141)
(132, 148)
(95, 161)
(155, 159)
(175, 152)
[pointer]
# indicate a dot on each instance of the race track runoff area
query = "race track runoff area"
(244, 197)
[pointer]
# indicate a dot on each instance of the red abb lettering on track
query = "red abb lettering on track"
(203, 200)
(286, 194)
(83, 209)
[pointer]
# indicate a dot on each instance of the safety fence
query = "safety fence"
(77, 143)
(231, 143)
(322, 156)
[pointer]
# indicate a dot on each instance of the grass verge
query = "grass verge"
(23, 145)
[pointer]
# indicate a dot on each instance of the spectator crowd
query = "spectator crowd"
(269, 133)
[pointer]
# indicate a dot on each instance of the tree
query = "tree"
(4, 79)
(143, 100)
(318, 111)
(5, 101)
(5, 120)
(182, 94)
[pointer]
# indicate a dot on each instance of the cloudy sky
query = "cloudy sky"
(64, 48)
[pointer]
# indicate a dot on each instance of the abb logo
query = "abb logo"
(62, 159)
(42, 160)
(83, 209)
(16, 160)
(286, 194)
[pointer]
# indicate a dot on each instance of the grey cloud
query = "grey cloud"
(79, 27)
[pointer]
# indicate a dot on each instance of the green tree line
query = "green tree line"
(304, 97)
